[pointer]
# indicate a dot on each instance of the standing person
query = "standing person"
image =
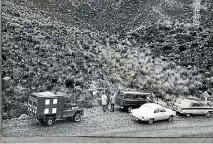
(104, 101)
(112, 101)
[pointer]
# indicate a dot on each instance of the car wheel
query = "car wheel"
(50, 121)
(171, 118)
(151, 121)
(77, 117)
(208, 114)
(129, 109)
(188, 114)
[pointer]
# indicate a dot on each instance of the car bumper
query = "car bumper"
(178, 110)
(137, 117)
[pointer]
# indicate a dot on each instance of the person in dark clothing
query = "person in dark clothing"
(112, 102)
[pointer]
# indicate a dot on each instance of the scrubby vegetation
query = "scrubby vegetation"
(40, 53)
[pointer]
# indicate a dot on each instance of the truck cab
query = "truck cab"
(47, 107)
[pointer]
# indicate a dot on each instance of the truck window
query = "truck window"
(134, 97)
(142, 97)
(121, 95)
(35, 104)
(47, 101)
(128, 96)
(30, 102)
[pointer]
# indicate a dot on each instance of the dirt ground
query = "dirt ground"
(114, 124)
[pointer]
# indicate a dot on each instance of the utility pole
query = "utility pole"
(1, 90)
(196, 12)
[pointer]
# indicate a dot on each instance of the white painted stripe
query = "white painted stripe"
(47, 101)
(55, 101)
(54, 110)
(46, 111)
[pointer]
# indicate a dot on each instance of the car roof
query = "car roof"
(134, 92)
(49, 94)
(152, 105)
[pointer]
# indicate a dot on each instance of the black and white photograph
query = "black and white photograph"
(107, 68)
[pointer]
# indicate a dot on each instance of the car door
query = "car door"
(196, 109)
(157, 115)
(202, 109)
(164, 114)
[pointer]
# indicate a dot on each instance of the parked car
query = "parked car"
(193, 107)
(127, 100)
(47, 107)
(151, 112)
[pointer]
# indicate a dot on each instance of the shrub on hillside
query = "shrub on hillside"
(70, 82)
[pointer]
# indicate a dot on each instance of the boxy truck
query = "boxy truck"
(47, 107)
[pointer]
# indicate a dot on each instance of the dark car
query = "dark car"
(127, 100)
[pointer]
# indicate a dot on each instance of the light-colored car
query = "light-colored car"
(151, 112)
(189, 107)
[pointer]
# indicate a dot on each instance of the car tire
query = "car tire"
(50, 121)
(171, 118)
(129, 109)
(208, 114)
(188, 115)
(151, 121)
(77, 117)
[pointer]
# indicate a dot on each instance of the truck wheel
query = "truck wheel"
(77, 117)
(50, 121)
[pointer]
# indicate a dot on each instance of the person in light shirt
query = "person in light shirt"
(104, 101)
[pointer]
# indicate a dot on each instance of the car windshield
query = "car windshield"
(145, 108)
(185, 103)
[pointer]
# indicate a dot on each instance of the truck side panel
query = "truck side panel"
(40, 108)
(60, 107)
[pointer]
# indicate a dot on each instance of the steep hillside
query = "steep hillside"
(118, 15)
(46, 53)
(40, 54)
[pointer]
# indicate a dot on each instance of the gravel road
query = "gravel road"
(119, 124)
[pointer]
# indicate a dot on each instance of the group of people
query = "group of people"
(108, 100)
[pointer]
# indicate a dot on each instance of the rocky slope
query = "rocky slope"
(39, 53)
